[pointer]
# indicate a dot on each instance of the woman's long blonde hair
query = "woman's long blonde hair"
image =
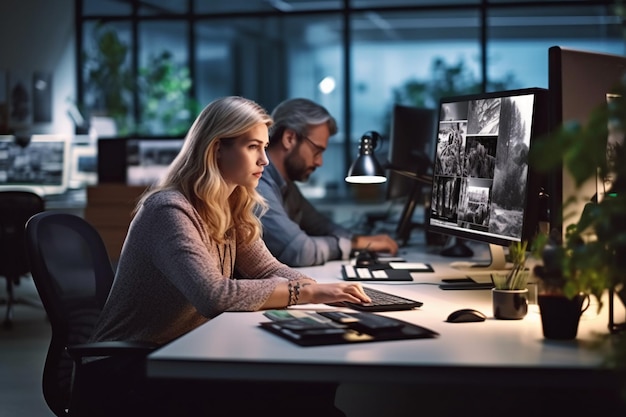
(195, 173)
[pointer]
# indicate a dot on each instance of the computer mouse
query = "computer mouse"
(365, 258)
(466, 315)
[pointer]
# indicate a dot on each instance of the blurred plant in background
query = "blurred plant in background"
(166, 104)
(446, 80)
(110, 82)
(163, 88)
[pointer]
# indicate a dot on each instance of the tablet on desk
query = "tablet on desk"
(464, 284)
(383, 272)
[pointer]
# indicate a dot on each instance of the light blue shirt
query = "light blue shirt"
(293, 230)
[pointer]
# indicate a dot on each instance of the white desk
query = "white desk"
(232, 346)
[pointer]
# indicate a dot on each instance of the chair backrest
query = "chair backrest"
(16, 207)
(73, 275)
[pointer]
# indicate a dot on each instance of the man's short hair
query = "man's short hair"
(298, 114)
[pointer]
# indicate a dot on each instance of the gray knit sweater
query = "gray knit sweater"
(172, 277)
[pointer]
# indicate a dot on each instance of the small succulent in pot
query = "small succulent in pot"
(517, 277)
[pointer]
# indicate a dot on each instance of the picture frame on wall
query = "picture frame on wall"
(4, 102)
(20, 100)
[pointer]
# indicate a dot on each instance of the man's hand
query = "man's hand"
(375, 243)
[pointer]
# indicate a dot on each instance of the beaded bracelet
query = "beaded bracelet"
(294, 293)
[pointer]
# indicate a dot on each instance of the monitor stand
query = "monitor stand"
(405, 224)
(481, 272)
(458, 249)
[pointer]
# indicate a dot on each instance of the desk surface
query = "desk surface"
(232, 346)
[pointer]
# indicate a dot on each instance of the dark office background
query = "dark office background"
(356, 57)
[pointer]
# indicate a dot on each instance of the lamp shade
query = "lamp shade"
(366, 169)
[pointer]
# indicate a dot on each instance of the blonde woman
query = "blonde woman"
(194, 247)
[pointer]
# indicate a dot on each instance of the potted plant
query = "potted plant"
(510, 292)
(563, 293)
(591, 256)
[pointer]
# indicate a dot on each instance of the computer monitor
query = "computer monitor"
(135, 161)
(40, 163)
(411, 140)
(579, 82)
(84, 167)
(483, 186)
(149, 159)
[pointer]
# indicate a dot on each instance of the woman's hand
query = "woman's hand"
(332, 293)
(309, 291)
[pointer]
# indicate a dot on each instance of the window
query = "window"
(518, 39)
(356, 58)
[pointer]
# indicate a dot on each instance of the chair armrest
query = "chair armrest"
(112, 348)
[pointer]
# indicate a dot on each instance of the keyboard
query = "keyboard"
(383, 301)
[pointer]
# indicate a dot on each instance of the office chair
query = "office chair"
(73, 275)
(16, 207)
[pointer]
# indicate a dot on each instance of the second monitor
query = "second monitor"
(411, 144)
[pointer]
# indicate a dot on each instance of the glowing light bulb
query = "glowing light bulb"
(327, 85)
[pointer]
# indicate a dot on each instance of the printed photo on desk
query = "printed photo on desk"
(310, 328)
(393, 271)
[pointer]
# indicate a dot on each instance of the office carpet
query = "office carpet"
(22, 354)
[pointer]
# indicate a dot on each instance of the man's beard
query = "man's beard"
(296, 168)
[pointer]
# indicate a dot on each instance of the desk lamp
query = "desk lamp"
(367, 170)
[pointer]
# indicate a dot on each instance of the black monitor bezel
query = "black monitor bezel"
(578, 81)
(536, 181)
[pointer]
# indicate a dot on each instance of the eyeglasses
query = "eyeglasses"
(318, 150)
